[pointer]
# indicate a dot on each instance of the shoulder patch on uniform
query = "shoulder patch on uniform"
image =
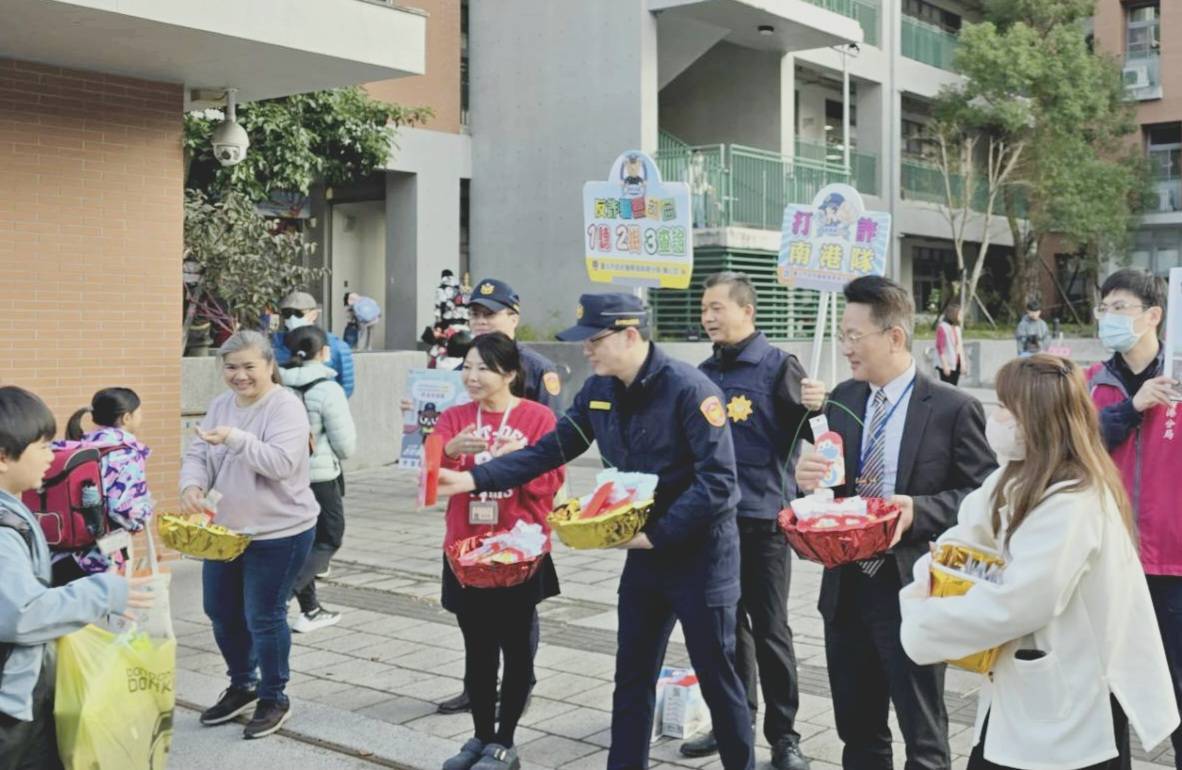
(603, 406)
(713, 411)
(552, 383)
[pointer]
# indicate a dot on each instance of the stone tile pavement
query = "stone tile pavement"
(367, 687)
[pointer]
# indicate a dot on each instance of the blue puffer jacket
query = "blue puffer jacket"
(341, 361)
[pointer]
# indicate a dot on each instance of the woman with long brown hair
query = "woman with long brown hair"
(1071, 613)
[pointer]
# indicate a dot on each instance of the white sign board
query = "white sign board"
(830, 242)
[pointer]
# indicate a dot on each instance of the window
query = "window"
(917, 142)
(1156, 250)
(1143, 30)
(932, 271)
(465, 219)
(932, 14)
(833, 128)
(464, 63)
(1163, 143)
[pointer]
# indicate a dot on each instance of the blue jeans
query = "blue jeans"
(246, 600)
(1166, 591)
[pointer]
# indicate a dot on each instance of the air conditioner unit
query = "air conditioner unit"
(1136, 76)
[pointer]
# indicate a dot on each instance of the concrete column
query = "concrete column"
(402, 309)
(788, 104)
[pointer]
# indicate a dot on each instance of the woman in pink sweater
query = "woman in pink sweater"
(252, 448)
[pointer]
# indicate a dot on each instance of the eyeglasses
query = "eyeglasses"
(601, 337)
(1120, 308)
(854, 338)
(291, 312)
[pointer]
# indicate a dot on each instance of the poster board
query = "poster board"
(830, 242)
(433, 391)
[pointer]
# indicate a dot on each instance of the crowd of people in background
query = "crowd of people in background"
(1069, 478)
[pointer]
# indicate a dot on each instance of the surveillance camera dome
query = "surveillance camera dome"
(230, 143)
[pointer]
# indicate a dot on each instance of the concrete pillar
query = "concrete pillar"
(788, 104)
(402, 311)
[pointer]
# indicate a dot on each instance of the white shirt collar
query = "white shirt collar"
(895, 388)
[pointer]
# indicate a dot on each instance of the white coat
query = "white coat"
(1072, 588)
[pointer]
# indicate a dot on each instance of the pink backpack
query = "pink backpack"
(70, 505)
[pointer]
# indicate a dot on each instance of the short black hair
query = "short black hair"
(890, 304)
(305, 343)
(1033, 306)
(502, 355)
(24, 420)
(740, 289)
(1142, 284)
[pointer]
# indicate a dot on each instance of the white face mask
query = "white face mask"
(1005, 439)
(296, 322)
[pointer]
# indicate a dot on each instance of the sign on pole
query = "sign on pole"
(637, 228)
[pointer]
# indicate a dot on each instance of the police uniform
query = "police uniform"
(761, 386)
(542, 383)
(670, 422)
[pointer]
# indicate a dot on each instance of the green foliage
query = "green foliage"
(331, 136)
(245, 263)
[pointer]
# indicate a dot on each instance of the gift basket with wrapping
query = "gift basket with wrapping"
(498, 559)
(956, 568)
(839, 531)
(197, 536)
(611, 515)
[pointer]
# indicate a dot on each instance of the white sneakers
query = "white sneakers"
(306, 622)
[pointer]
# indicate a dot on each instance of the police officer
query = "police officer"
(495, 307)
(767, 400)
(650, 413)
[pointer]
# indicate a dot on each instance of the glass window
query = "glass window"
(1142, 30)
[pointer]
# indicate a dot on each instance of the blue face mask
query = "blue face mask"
(1117, 334)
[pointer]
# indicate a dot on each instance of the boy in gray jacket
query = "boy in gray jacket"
(33, 615)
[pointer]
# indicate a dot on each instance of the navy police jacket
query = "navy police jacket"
(761, 388)
(669, 422)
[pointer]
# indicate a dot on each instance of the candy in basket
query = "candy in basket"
(839, 531)
(198, 537)
(956, 568)
(500, 559)
(611, 515)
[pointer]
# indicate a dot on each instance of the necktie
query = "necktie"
(870, 482)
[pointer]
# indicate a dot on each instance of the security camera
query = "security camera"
(229, 139)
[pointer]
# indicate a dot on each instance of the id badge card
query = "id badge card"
(482, 512)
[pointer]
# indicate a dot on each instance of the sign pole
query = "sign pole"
(819, 334)
(833, 337)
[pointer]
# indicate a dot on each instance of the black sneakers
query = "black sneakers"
(268, 717)
(231, 703)
(786, 755)
(457, 705)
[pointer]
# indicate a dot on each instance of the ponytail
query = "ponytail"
(74, 426)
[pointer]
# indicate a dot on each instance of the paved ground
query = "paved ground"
(364, 691)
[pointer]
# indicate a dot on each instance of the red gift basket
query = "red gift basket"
(488, 574)
(848, 539)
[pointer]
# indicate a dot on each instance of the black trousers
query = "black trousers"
(330, 533)
(492, 631)
(868, 671)
(32, 745)
(1120, 729)
(763, 638)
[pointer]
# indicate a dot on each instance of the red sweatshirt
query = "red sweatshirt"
(532, 501)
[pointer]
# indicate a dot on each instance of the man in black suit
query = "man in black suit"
(924, 448)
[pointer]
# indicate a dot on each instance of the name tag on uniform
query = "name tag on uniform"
(603, 406)
(481, 512)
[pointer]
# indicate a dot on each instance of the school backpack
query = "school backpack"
(71, 505)
(12, 521)
(366, 310)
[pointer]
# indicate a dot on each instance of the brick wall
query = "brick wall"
(90, 245)
(439, 88)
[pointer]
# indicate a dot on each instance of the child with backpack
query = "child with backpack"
(117, 414)
(333, 438)
(32, 614)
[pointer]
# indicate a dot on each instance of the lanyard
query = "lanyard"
(504, 419)
(882, 426)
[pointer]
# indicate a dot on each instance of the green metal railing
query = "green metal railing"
(925, 182)
(865, 12)
(739, 186)
(928, 43)
(667, 141)
(863, 164)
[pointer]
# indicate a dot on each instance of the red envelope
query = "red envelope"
(429, 478)
(597, 500)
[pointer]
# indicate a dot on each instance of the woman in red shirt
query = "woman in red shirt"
(495, 621)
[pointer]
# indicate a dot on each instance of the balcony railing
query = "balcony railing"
(928, 43)
(1142, 75)
(925, 182)
(733, 185)
(864, 165)
(1166, 197)
(865, 12)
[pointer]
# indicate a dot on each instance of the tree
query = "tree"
(295, 141)
(238, 262)
(1078, 178)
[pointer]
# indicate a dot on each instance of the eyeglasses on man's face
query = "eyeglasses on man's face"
(1118, 307)
(854, 338)
(598, 338)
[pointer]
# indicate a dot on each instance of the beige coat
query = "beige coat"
(1072, 588)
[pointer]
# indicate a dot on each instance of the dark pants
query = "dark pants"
(868, 671)
(1166, 591)
(330, 533)
(246, 601)
(951, 379)
(763, 639)
(646, 617)
(32, 745)
(1120, 729)
(492, 631)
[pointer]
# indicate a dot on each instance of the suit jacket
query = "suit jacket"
(943, 457)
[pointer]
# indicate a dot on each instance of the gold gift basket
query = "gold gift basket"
(949, 579)
(611, 528)
(196, 536)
